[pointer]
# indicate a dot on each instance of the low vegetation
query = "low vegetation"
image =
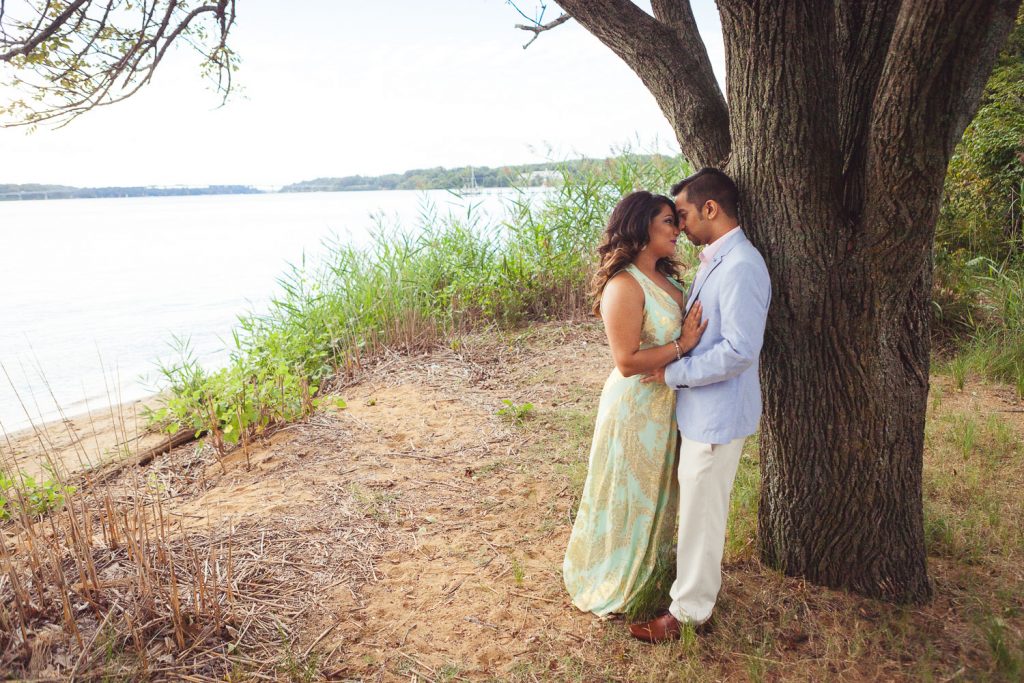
(407, 292)
(979, 254)
(27, 496)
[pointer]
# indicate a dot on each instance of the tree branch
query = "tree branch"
(39, 36)
(863, 32)
(672, 62)
(77, 60)
(537, 29)
(782, 90)
(929, 89)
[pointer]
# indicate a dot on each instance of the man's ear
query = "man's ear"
(711, 209)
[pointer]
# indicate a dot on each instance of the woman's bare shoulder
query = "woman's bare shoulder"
(622, 289)
(623, 283)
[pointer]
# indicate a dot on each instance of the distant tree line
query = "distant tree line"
(523, 175)
(10, 192)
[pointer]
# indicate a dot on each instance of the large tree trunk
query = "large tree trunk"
(845, 219)
(842, 118)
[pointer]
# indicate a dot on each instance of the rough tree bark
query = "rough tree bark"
(841, 120)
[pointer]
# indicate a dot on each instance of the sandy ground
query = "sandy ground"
(416, 534)
(79, 441)
(456, 519)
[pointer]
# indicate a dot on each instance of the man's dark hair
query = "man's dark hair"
(710, 183)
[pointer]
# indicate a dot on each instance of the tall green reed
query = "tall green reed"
(997, 349)
(980, 305)
(408, 291)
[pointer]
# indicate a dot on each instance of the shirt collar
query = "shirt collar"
(707, 254)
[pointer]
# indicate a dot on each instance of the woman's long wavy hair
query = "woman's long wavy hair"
(626, 236)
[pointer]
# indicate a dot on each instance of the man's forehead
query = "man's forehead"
(681, 201)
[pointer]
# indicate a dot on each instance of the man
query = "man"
(718, 392)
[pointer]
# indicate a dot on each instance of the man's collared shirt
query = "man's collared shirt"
(707, 254)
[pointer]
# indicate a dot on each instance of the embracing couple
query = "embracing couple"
(686, 374)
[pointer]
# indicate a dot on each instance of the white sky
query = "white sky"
(345, 88)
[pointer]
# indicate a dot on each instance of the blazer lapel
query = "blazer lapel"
(699, 282)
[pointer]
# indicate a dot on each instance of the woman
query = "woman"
(628, 506)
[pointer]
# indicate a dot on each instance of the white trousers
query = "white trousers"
(706, 474)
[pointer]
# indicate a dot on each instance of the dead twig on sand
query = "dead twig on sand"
(319, 638)
(92, 641)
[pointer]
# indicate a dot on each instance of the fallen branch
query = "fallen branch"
(180, 438)
(107, 472)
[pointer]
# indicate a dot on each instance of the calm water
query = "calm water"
(93, 290)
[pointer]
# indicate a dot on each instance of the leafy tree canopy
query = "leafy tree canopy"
(65, 58)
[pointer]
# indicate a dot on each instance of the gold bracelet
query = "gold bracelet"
(679, 351)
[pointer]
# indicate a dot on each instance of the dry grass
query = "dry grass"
(418, 535)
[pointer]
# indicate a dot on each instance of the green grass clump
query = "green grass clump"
(741, 532)
(985, 319)
(653, 596)
(30, 496)
(518, 571)
(969, 474)
(515, 413)
(997, 349)
(1007, 650)
(408, 291)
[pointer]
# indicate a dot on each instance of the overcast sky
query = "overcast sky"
(345, 88)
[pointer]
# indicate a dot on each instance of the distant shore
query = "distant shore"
(460, 179)
(43, 192)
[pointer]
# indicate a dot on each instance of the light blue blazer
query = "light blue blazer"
(718, 395)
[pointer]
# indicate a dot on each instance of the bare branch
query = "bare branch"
(524, 15)
(537, 29)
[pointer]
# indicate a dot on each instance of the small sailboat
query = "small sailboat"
(471, 187)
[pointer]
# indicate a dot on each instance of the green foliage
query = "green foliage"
(978, 292)
(29, 495)
(982, 210)
(956, 302)
(61, 59)
(407, 291)
(990, 301)
(997, 349)
(516, 414)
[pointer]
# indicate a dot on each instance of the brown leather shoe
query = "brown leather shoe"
(657, 630)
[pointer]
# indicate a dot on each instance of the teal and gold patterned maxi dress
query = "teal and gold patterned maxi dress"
(628, 508)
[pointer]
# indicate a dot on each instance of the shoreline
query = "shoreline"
(79, 442)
